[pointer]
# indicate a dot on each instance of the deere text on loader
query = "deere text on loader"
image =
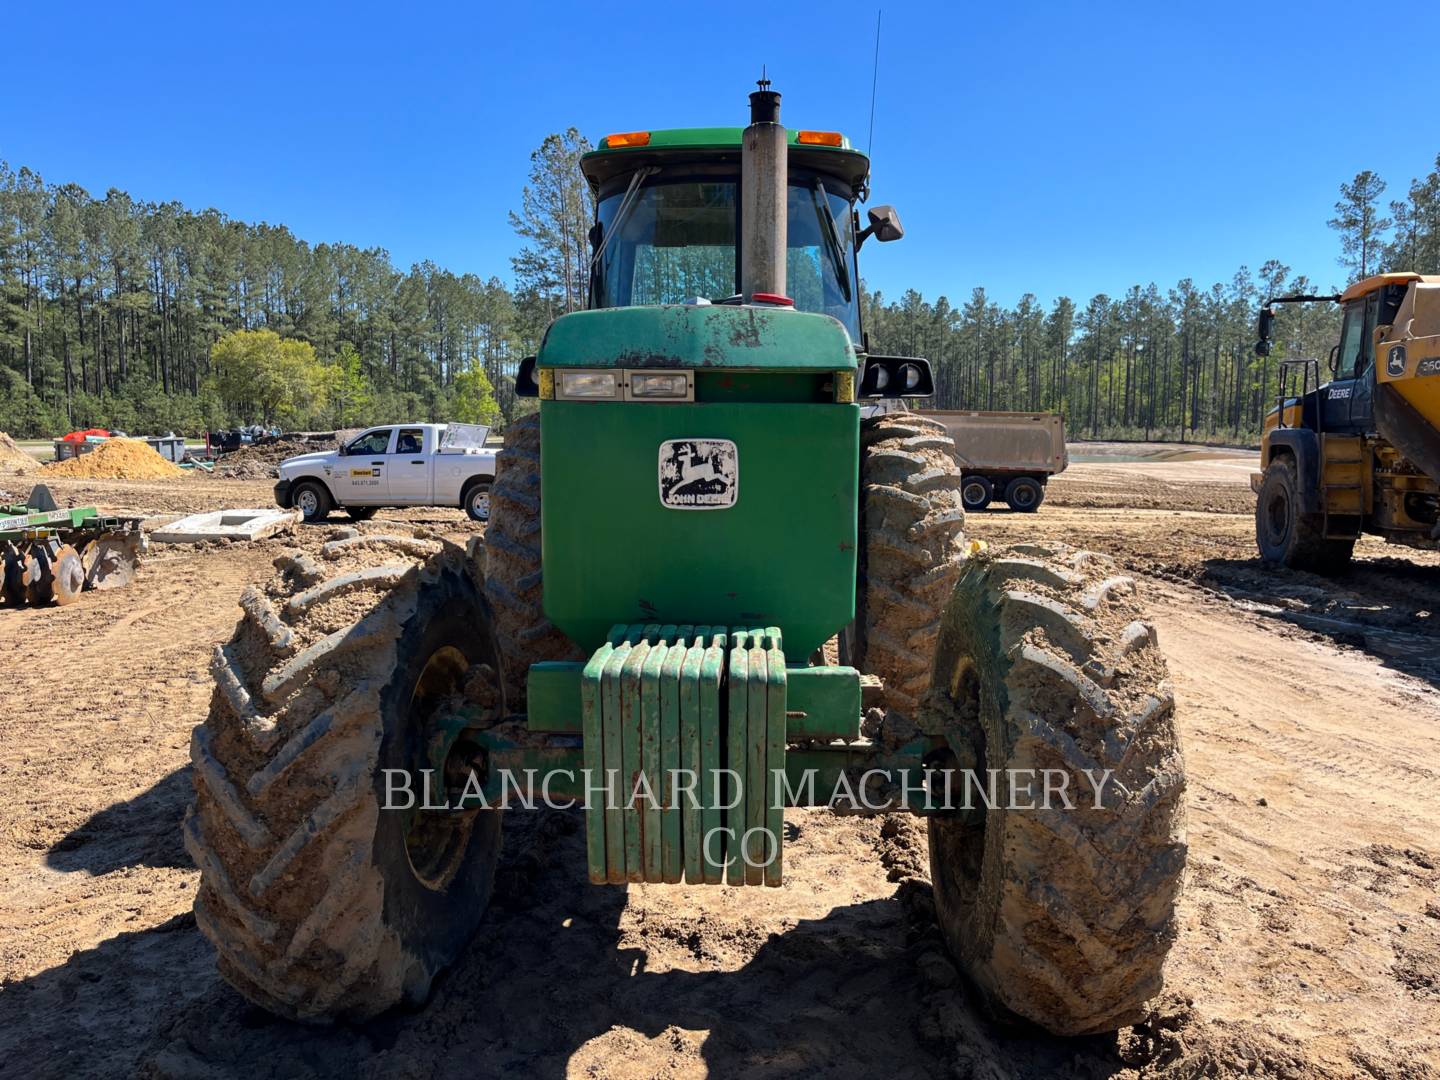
(655, 638)
(1361, 452)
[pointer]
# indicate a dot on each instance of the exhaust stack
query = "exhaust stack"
(763, 178)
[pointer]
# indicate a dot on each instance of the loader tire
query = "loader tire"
(1287, 537)
(514, 583)
(321, 902)
(911, 549)
(1061, 917)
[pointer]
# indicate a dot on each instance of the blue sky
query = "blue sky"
(1052, 148)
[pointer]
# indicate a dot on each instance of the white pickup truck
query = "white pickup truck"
(394, 465)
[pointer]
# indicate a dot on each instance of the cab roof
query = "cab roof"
(717, 145)
(1366, 286)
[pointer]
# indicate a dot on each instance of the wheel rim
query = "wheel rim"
(1277, 516)
(435, 840)
(480, 504)
(308, 502)
(1024, 495)
(974, 494)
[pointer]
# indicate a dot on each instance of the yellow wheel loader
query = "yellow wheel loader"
(1360, 453)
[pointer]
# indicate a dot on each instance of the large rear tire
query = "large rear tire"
(321, 901)
(514, 582)
(1062, 917)
(1287, 537)
(911, 549)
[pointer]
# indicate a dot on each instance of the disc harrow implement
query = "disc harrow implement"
(52, 555)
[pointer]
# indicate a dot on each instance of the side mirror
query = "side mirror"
(884, 225)
(1267, 322)
(1334, 360)
(896, 377)
(526, 384)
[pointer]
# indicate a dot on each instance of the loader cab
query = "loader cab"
(1347, 402)
(667, 221)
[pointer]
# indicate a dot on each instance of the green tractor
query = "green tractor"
(755, 595)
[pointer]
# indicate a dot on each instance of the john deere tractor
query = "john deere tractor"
(1359, 453)
(707, 592)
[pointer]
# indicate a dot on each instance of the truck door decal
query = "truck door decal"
(699, 474)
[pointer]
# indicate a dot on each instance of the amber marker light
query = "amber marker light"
(627, 138)
(819, 138)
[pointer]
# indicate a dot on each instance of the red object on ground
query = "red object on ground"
(80, 436)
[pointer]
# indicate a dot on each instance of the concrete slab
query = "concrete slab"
(227, 525)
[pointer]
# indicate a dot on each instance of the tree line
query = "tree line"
(150, 317)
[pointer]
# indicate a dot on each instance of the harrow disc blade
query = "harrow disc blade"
(111, 560)
(69, 573)
(39, 575)
(14, 580)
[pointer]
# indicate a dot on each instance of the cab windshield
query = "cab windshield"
(676, 241)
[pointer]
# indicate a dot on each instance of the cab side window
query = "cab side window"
(373, 442)
(1352, 341)
(410, 441)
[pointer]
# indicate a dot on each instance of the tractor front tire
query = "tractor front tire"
(322, 901)
(1287, 537)
(911, 549)
(1047, 672)
(514, 582)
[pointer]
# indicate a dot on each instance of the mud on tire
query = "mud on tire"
(321, 904)
(911, 548)
(514, 583)
(1061, 917)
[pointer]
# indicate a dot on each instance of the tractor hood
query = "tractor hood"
(742, 338)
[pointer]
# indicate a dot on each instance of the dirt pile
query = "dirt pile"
(12, 458)
(117, 459)
(257, 460)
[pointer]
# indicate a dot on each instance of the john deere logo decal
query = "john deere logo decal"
(1395, 361)
(699, 474)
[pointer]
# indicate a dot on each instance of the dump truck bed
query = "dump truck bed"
(1006, 442)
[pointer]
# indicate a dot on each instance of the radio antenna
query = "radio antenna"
(874, 79)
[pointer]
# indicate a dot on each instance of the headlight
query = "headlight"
(662, 385)
(588, 385)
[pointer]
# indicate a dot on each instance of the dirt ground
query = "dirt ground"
(1310, 924)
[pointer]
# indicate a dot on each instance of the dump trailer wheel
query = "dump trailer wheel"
(69, 573)
(320, 901)
(1024, 494)
(1061, 917)
(1287, 537)
(911, 549)
(977, 493)
(14, 583)
(514, 583)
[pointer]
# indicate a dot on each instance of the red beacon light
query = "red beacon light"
(774, 299)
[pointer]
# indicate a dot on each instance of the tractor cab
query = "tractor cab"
(667, 225)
